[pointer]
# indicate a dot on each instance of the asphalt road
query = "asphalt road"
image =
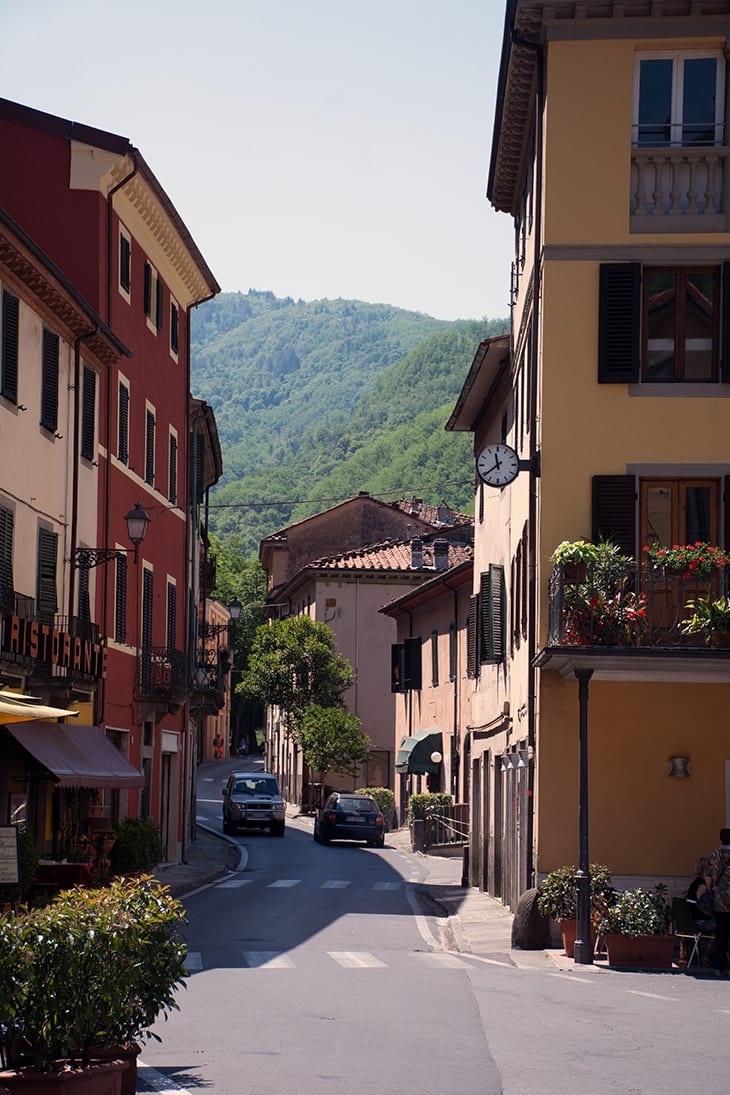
(314, 970)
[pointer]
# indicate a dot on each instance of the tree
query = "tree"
(331, 739)
(293, 664)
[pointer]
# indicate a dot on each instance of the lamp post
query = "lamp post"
(583, 949)
(137, 521)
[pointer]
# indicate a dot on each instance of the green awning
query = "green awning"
(414, 755)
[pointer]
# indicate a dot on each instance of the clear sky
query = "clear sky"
(314, 148)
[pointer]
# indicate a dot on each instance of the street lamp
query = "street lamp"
(137, 524)
(207, 631)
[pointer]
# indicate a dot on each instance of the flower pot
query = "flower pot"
(720, 640)
(574, 573)
(640, 951)
(103, 1078)
(569, 929)
(129, 1053)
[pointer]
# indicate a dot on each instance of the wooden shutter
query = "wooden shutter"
(46, 585)
(492, 614)
(123, 426)
(7, 587)
(158, 304)
(619, 316)
(49, 387)
(472, 636)
(174, 328)
(614, 511)
(147, 604)
(124, 262)
(196, 469)
(172, 474)
(120, 608)
(412, 672)
(725, 325)
(434, 658)
(396, 667)
(148, 290)
(149, 459)
(84, 607)
(171, 614)
(726, 530)
(9, 366)
(88, 414)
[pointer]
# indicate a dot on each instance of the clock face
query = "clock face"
(498, 465)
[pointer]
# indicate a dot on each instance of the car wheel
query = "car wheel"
(278, 828)
(380, 843)
(227, 827)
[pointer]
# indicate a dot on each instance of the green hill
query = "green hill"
(317, 400)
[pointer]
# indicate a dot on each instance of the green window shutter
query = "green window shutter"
(196, 469)
(148, 290)
(158, 305)
(88, 414)
(472, 637)
(434, 658)
(84, 605)
(120, 608)
(49, 381)
(452, 651)
(492, 621)
(123, 425)
(124, 263)
(172, 474)
(7, 587)
(9, 364)
(149, 460)
(46, 594)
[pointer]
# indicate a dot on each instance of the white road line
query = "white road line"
(193, 961)
(269, 960)
(357, 960)
(335, 884)
(283, 883)
(158, 1082)
(445, 959)
(421, 922)
(234, 883)
(570, 977)
(387, 885)
(653, 996)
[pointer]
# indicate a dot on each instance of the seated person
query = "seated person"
(699, 897)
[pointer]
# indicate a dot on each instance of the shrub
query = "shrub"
(385, 800)
(424, 805)
(558, 896)
(138, 845)
(637, 912)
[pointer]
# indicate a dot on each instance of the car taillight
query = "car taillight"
(379, 820)
(331, 815)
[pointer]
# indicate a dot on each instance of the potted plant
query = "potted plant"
(558, 897)
(635, 927)
(697, 560)
(574, 556)
(710, 619)
(84, 979)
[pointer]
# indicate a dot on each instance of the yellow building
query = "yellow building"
(609, 152)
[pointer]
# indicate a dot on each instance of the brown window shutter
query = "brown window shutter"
(614, 511)
(725, 325)
(619, 318)
(472, 661)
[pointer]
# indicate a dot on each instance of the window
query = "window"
(678, 99)
(123, 424)
(152, 298)
(405, 665)
(49, 381)
(434, 658)
(125, 264)
(9, 362)
(171, 614)
(7, 586)
(679, 511)
(172, 469)
(149, 447)
(174, 328)
(88, 414)
(120, 606)
(46, 594)
(663, 324)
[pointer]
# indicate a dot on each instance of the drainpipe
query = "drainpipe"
(455, 726)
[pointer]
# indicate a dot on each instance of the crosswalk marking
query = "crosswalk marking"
(357, 960)
(193, 961)
(283, 883)
(335, 884)
(268, 960)
(233, 883)
(387, 885)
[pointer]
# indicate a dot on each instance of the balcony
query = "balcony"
(629, 621)
(678, 189)
(163, 677)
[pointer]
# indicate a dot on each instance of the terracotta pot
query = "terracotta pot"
(574, 573)
(103, 1078)
(569, 928)
(129, 1053)
(640, 951)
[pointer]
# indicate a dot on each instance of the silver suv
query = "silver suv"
(253, 799)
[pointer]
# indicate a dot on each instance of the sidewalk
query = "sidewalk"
(479, 924)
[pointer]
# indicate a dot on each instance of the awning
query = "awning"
(414, 755)
(14, 708)
(77, 756)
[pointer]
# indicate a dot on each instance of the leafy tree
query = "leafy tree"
(331, 739)
(293, 664)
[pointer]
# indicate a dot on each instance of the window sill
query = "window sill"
(711, 390)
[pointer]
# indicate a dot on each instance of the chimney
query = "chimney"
(441, 554)
(416, 554)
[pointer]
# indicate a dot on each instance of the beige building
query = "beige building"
(609, 152)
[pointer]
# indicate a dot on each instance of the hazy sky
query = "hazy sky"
(315, 148)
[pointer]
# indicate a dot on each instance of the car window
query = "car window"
(357, 805)
(256, 787)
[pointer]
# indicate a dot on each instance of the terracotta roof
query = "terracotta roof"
(437, 516)
(391, 555)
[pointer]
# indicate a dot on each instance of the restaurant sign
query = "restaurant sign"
(43, 643)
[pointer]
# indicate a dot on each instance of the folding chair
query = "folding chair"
(685, 927)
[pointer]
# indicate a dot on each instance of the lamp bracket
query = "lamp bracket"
(87, 558)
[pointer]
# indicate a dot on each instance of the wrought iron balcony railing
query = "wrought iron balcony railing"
(163, 675)
(630, 605)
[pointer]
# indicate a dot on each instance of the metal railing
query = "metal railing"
(448, 827)
(163, 674)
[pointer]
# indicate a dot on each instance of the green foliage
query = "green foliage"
(558, 893)
(293, 664)
(138, 845)
(318, 400)
(385, 800)
(330, 739)
(637, 912)
(708, 615)
(28, 863)
(425, 805)
(94, 968)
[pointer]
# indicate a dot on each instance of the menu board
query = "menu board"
(9, 865)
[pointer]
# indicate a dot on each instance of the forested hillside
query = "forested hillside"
(317, 400)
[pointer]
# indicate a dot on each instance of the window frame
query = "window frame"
(676, 124)
(681, 273)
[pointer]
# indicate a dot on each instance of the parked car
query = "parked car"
(349, 817)
(253, 799)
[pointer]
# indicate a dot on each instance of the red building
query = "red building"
(88, 199)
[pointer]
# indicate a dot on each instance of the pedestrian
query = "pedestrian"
(218, 747)
(718, 878)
